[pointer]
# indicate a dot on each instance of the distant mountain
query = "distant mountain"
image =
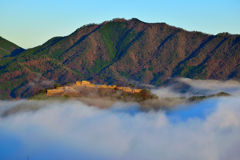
(120, 50)
(8, 48)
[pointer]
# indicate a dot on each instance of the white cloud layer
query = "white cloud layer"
(198, 87)
(72, 130)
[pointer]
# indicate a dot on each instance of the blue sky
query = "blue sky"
(29, 23)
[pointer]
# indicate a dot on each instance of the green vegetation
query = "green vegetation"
(66, 96)
(131, 85)
(39, 96)
(158, 82)
(10, 85)
(99, 65)
(125, 74)
(78, 72)
(222, 94)
(199, 98)
(67, 83)
(145, 94)
(8, 48)
(42, 96)
(56, 85)
(116, 36)
(190, 71)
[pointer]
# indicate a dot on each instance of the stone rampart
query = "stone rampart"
(88, 84)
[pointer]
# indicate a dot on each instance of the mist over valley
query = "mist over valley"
(72, 129)
(122, 89)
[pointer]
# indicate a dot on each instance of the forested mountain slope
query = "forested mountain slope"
(120, 50)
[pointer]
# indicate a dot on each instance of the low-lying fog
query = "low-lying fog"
(72, 130)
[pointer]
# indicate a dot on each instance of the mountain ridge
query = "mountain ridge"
(120, 50)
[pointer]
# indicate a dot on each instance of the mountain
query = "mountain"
(8, 48)
(120, 50)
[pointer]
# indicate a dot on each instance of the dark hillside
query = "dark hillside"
(8, 48)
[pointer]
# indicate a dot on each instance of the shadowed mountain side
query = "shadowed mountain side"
(16, 52)
(120, 50)
(7, 48)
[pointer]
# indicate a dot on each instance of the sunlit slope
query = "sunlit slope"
(121, 50)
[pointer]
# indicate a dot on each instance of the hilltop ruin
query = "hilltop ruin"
(86, 84)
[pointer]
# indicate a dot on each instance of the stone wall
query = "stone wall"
(61, 90)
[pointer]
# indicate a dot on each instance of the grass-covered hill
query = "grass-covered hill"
(120, 50)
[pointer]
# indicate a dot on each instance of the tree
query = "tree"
(67, 83)
(131, 85)
(144, 94)
(56, 85)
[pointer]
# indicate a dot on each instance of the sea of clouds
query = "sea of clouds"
(72, 130)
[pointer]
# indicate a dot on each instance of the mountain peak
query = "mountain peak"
(123, 20)
(120, 50)
(118, 20)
